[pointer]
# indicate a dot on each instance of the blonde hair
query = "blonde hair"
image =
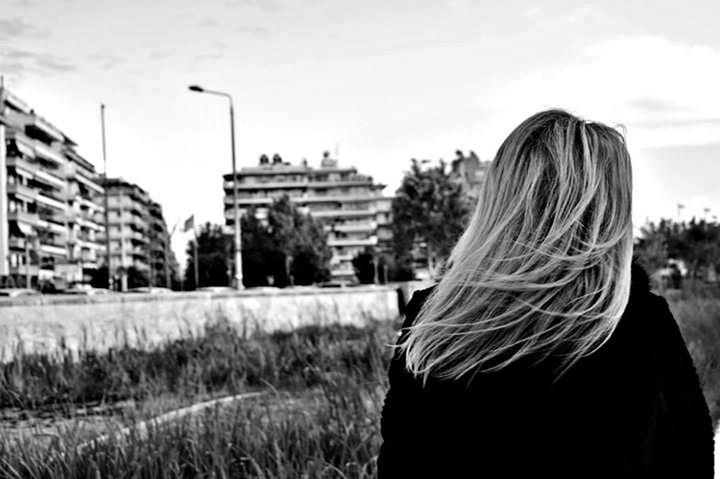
(544, 264)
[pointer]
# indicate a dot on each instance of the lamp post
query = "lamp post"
(238, 250)
(106, 208)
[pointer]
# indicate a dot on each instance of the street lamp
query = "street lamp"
(238, 251)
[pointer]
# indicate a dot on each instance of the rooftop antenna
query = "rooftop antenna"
(2, 81)
(337, 150)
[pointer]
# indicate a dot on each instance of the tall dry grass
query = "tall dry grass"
(698, 315)
(320, 419)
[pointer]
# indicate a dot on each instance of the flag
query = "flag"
(189, 224)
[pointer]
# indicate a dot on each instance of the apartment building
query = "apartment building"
(139, 240)
(50, 202)
(163, 265)
(470, 172)
(350, 205)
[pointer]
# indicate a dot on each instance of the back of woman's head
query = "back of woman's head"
(544, 266)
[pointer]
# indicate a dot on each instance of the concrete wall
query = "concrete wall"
(53, 324)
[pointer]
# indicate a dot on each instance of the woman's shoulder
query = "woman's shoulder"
(412, 308)
(646, 309)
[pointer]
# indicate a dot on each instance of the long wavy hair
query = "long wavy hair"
(543, 267)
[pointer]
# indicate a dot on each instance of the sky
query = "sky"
(378, 81)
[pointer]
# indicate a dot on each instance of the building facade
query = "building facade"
(163, 265)
(51, 210)
(470, 173)
(351, 207)
(139, 241)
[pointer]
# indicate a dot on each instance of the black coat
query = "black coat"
(634, 409)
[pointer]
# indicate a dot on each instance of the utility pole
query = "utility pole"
(105, 198)
(236, 210)
(4, 224)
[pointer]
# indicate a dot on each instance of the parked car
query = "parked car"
(85, 290)
(17, 292)
(333, 284)
(216, 289)
(150, 290)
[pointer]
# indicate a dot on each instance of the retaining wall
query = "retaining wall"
(57, 324)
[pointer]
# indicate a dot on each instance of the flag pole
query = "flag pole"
(197, 261)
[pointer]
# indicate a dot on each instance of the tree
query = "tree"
(258, 268)
(364, 266)
(290, 247)
(99, 278)
(137, 278)
(214, 248)
(697, 243)
(429, 208)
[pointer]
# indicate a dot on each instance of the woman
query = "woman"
(541, 352)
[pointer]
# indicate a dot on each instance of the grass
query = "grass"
(330, 431)
(319, 420)
(320, 417)
(698, 316)
(218, 362)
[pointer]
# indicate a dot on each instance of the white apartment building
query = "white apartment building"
(138, 235)
(350, 205)
(50, 202)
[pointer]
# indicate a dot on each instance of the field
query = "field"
(318, 415)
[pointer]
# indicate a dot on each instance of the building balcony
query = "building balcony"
(88, 182)
(370, 226)
(17, 243)
(270, 185)
(340, 242)
(42, 197)
(86, 243)
(24, 217)
(89, 223)
(53, 248)
(50, 179)
(22, 143)
(138, 252)
(19, 163)
(135, 210)
(358, 180)
(22, 191)
(339, 258)
(90, 204)
(340, 213)
(304, 199)
(354, 180)
(348, 198)
(49, 154)
(52, 222)
(137, 238)
(37, 123)
(137, 225)
(244, 202)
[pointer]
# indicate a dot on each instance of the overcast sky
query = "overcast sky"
(382, 80)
